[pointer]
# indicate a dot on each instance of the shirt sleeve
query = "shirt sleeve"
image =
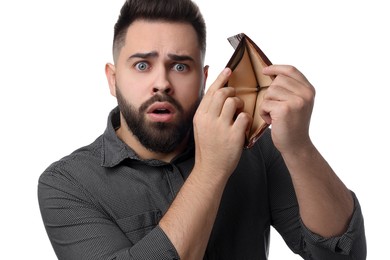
(80, 229)
(286, 220)
(350, 245)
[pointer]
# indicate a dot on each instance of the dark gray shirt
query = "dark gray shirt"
(104, 202)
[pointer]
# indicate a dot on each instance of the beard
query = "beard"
(160, 137)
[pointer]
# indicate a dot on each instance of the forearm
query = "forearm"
(79, 230)
(190, 218)
(325, 203)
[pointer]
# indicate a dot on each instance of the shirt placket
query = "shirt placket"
(174, 178)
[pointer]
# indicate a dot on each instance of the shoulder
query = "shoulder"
(78, 162)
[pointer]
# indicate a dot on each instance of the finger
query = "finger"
(290, 86)
(221, 80)
(219, 99)
(218, 84)
(241, 125)
(287, 70)
(265, 110)
(231, 108)
(278, 93)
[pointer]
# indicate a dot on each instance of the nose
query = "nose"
(162, 84)
(166, 90)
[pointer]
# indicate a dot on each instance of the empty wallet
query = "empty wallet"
(250, 83)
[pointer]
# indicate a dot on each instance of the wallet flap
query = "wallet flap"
(235, 40)
(251, 84)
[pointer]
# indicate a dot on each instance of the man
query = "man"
(169, 178)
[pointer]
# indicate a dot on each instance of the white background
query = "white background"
(54, 97)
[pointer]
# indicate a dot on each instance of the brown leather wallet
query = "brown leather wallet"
(246, 63)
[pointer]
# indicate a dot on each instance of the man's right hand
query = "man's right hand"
(219, 128)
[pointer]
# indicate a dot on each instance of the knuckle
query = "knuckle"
(222, 93)
(300, 103)
(231, 101)
(291, 69)
(284, 108)
(313, 91)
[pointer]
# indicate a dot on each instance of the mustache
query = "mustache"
(161, 98)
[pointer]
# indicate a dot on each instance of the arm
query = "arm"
(326, 206)
(79, 228)
(189, 220)
(285, 217)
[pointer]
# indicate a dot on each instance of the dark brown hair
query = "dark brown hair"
(184, 11)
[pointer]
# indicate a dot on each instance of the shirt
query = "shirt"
(103, 202)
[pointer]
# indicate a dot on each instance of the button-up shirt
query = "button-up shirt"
(103, 202)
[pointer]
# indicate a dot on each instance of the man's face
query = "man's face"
(159, 81)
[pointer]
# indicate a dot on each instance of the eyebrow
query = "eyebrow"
(176, 57)
(153, 54)
(144, 55)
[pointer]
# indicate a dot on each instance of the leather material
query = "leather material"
(246, 63)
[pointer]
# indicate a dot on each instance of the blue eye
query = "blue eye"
(180, 67)
(142, 66)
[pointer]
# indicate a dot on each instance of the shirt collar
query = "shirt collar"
(114, 150)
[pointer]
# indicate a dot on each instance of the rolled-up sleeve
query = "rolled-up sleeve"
(350, 245)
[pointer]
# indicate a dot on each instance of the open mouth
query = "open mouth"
(161, 111)
(161, 108)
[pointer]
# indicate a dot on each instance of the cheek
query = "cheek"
(188, 89)
(131, 89)
(188, 98)
(130, 97)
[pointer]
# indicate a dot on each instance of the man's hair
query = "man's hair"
(183, 11)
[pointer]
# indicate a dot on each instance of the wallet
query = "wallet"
(246, 64)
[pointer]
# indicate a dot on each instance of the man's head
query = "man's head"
(158, 77)
(183, 11)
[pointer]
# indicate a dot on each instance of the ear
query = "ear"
(205, 75)
(111, 79)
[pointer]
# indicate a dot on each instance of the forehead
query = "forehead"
(162, 37)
